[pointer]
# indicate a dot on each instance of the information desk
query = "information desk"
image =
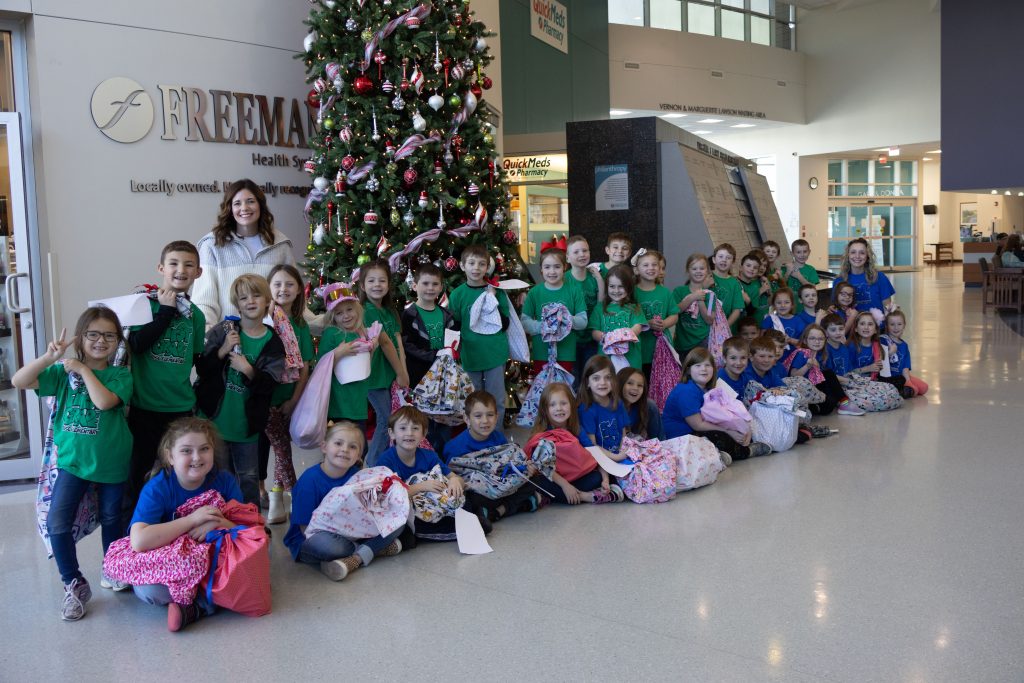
(972, 268)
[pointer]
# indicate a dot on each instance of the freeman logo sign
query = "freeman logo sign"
(123, 111)
(549, 23)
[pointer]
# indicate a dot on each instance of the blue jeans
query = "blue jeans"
(493, 382)
(244, 462)
(380, 401)
(158, 594)
(68, 491)
(323, 546)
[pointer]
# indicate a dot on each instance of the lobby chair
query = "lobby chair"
(986, 284)
(1007, 286)
(944, 251)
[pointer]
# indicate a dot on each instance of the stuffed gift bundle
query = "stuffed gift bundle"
(556, 324)
(615, 345)
(653, 477)
(373, 502)
(442, 393)
(432, 507)
(665, 369)
(500, 471)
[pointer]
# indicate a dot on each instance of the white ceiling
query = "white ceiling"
(837, 5)
(691, 122)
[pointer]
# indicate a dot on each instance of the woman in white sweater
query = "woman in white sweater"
(243, 241)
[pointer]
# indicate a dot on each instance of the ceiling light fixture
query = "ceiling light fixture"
(995, 191)
(672, 116)
(619, 112)
(926, 158)
(934, 151)
(742, 125)
(701, 132)
(710, 121)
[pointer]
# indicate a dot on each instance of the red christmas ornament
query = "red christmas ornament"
(447, 62)
(410, 176)
(348, 161)
(450, 264)
(457, 20)
(349, 241)
(370, 217)
(389, 148)
(339, 183)
(509, 237)
(475, 89)
(313, 98)
(487, 83)
(463, 221)
(380, 58)
(362, 85)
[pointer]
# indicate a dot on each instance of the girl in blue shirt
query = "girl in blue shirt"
(603, 416)
(858, 268)
(782, 311)
(186, 469)
(899, 354)
(682, 411)
(336, 555)
(644, 416)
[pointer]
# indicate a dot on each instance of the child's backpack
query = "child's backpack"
(433, 507)
(698, 462)
(239, 578)
(499, 471)
(373, 502)
(653, 477)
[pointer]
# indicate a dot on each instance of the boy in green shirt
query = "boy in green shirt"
(483, 356)
(799, 272)
(163, 354)
(755, 289)
(618, 248)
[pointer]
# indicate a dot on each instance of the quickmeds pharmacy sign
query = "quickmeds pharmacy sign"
(549, 22)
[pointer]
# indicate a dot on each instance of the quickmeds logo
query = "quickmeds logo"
(549, 23)
(122, 109)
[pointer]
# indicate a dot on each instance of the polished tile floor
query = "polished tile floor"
(891, 552)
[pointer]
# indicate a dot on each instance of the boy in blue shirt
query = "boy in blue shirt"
(407, 426)
(764, 367)
(736, 362)
(840, 355)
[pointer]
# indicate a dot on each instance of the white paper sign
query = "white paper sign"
(132, 309)
(549, 23)
(470, 534)
(353, 368)
(611, 187)
(607, 464)
(513, 284)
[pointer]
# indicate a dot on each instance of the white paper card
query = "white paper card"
(513, 284)
(726, 389)
(607, 464)
(452, 338)
(470, 534)
(353, 368)
(132, 309)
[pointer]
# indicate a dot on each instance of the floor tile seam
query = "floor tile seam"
(638, 627)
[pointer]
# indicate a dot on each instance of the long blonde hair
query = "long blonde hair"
(870, 269)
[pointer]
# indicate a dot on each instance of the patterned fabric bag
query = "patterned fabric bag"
(724, 411)
(698, 462)
(484, 317)
(776, 421)
(239, 578)
(518, 343)
(499, 471)
(665, 370)
(615, 345)
(432, 507)
(309, 419)
(442, 392)
(870, 396)
(755, 391)
(551, 372)
(806, 392)
(181, 565)
(292, 355)
(373, 502)
(718, 331)
(87, 517)
(653, 477)
(814, 373)
(555, 322)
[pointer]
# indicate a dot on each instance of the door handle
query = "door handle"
(12, 300)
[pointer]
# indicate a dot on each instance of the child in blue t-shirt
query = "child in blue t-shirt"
(809, 313)
(682, 411)
(407, 426)
(764, 367)
(336, 555)
(481, 433)
(782, 317)
(836, 354)
(603, 416)
(644, 416)
(737, 356)
(899, 354)
(187, 468)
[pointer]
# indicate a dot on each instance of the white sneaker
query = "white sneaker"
(113, 584)
(277, 512)
(725, 457)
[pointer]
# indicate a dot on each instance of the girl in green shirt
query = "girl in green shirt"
(692, 328)
(349, 400)
(619, 311)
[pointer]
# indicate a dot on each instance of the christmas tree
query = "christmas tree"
(403, 160)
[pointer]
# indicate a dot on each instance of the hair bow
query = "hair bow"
(558, 243)
(636, 257)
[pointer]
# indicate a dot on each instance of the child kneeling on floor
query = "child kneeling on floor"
(337, 556)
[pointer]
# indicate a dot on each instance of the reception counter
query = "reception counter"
(972, 268)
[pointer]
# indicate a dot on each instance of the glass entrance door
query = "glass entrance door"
(888, 228)
(20, 420)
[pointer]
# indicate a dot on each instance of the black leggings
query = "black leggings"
(898, 381)
(724, 442)
(588, 482)
(834, 394)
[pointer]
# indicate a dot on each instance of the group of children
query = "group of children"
(149, 460)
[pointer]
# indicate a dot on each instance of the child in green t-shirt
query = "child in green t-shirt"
(163, 354)
(618, 248)
(799, 272)
(657, 303)
(692, 328)
(348, 401)
(388, 366)
(92, 440)
(727, 288)
(619, 311)
(238, 370)
(588, 277)
(754, 288)
(553, 289)
(483, 356)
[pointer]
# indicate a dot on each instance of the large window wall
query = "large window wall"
(766, 22)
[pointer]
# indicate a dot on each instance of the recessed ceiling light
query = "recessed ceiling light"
(1007, 193)
(742, 125)
(710, 121)
(1020, 194)
(934, 151)
(881, 149)
(701, 132)
(926, 158)
(672, 116)
(995, 191)
(638, 18)
(619, 112)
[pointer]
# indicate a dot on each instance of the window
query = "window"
(765, 22)
(667, 14)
